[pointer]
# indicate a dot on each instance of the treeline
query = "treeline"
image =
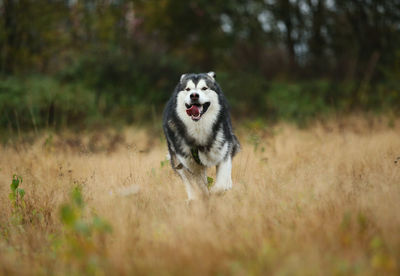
(73, 62)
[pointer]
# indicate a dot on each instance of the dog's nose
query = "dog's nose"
(194, 96)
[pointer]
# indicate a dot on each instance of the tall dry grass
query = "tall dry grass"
(318, 201)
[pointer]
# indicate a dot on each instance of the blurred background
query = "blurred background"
(80, 64)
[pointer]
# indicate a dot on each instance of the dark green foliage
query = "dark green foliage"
(296, 101)
(38, 101)
(126, 85)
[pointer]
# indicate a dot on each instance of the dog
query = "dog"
(198, 130)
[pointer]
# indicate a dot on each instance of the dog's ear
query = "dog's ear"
(182, 77)
(212, 75)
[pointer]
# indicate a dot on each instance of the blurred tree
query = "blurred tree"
(33, 34)
(366, 31)
(315, 37)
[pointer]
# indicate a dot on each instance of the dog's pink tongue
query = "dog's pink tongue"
(193, 111)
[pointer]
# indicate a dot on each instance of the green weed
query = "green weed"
(17, 199)
(164, 162)
(17, 194)
(210, 182)
(81, 245)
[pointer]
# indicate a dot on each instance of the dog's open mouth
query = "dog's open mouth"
(195, 111)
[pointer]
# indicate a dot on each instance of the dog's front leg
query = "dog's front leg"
(224, 179)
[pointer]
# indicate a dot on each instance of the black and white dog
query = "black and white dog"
(199, 134)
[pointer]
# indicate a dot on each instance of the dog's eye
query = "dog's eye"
(204, 88)
(187, 89)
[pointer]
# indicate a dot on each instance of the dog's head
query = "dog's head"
(198, 96)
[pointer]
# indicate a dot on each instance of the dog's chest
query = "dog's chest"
(214, 156)
(199, 132)
(208, 156)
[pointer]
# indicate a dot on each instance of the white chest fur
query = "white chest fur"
(216, 153)
(210, 157)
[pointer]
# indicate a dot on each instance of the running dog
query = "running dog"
(198, 129)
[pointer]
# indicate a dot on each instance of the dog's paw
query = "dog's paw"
(189, 201)
(220, 190)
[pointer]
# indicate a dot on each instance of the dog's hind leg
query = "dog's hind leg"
(224, 179)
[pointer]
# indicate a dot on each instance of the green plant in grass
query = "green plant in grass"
(82, 242)
(17, 194)
(17, 199)
(164, 162)
(210, 182)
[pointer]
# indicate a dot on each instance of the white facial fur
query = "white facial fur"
(199, 130)
(203, 94)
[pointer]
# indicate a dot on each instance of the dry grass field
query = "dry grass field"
(318, 201)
